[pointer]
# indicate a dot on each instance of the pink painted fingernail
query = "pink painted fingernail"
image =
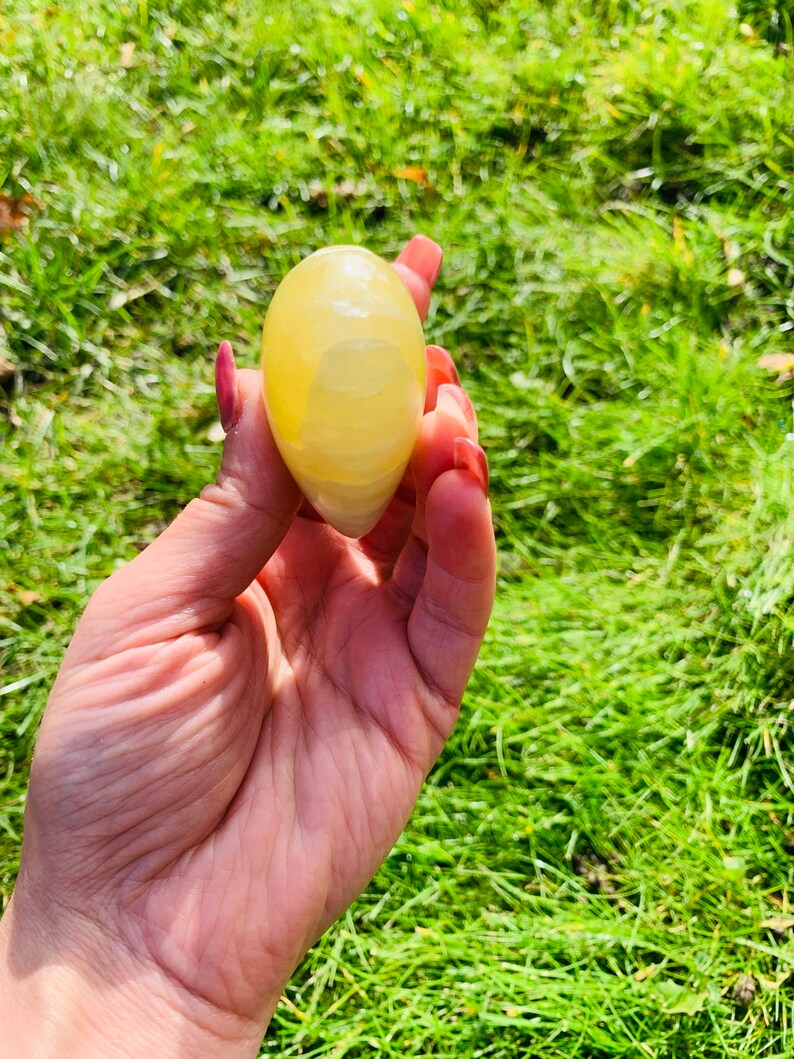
(439, 358)
(226, 386)
(455, 401)
(423, 257)
(440, 370)
(470, 457)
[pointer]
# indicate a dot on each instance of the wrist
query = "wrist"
(73, 994)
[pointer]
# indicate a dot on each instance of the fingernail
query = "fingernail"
(439, 358)
(417, 287)
(226, 386)
(424, 257)
(455, 401)
(470, 457)
(440, 370)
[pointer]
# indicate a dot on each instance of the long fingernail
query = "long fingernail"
(470, 457)
(455, 401)
(440, 370)
(424, 257)
(439, 358)
(226, 386)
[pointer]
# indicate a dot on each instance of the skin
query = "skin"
(237, 735)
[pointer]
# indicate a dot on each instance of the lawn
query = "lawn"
(602, 862)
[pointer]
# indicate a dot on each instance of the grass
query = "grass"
(601, 863)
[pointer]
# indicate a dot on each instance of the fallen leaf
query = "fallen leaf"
(126, 52)
(348, 190)
(28, 596)
(598, 876)
(417, 174)
(730, 250)
(120, 298)
(744, 989)
(777, 361)
(7, 371)
(778, 923)
(318, 195)
(13, 211)
(646, 972)
(345, 189)
(676, 999)
(775, 983)
(595, 871)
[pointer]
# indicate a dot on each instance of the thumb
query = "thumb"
(218, 545)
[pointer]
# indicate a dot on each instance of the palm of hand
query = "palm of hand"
(339, 736)
(254, 757)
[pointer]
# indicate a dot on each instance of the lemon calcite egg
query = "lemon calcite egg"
(343, 366)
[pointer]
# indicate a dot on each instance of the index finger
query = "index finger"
(418, 266)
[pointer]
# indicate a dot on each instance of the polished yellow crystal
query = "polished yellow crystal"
(343, 366)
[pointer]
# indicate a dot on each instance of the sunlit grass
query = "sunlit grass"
(602, 860)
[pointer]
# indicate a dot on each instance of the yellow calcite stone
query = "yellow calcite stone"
(343, 366)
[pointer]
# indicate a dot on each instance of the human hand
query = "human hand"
(238, 734)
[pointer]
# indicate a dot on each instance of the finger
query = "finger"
(452, 421)
(216, 547)
(385, 542)
(449, 618)
(440, 369)
(418, 265)
(453, 417)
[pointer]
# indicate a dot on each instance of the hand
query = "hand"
(241, 727)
